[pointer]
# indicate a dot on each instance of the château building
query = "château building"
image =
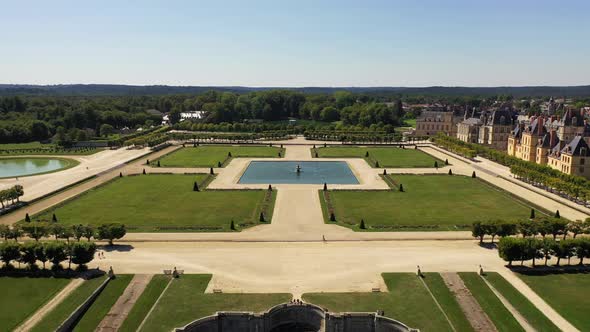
(430, 123)
(561, 144)
(489, 129)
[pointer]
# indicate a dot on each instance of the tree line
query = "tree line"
(513, 249)
(54, 252)
(553, 227)
(11, 195)
(38, 230)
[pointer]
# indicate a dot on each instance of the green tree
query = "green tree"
(510, 249)
(111, 232)
(9, 251)
(478, 230)
(29, 254)
(106, 130)
(78, 231)
(40, 253)
(56, 252)
(36, 231)
(82, 253)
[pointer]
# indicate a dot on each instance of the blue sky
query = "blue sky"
(296, 43)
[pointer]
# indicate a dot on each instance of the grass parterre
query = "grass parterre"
(164, 203)
(392, 157)
(215, 155)
(186, 297)
(565, 292)
(408, 301)
(427, 202)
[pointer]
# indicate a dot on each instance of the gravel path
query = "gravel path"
(469, 305)
(119, 311)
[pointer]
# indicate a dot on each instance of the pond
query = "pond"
(310, 172)
(14, 167)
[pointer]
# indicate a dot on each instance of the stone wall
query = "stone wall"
(304, 316)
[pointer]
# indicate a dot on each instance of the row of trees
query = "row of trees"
(541, 175)
(525, 249)
(39, 230)
(55, 252)
(554, 227)
(11, 195)
(33, 118)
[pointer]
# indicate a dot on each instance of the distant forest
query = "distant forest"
(82, 112)
(129, 90)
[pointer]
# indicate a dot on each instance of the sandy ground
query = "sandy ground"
(39, 185)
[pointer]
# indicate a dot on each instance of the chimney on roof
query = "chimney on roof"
(552, 137)
(540, 123)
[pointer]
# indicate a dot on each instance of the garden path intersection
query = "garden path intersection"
(298, 252)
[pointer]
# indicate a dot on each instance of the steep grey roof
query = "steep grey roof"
(502, 117)
(576, 147)
(472, 121)
(517, 132)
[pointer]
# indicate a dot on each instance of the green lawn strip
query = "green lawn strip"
(447, 301)
(567, 293)
(145, 303)
(407, 301)
(22, 296)
(392, 157)
(184, 302)
(211, 155)
(101, 306)
(144, 204)
(63, 310)
(68, 163)
(490, 303)
(528, 310)
(424, 204)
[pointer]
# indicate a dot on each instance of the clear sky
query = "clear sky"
(296, 43)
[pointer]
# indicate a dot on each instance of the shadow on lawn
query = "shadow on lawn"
(116, 247)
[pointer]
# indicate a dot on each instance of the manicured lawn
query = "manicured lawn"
(152, 203)
(429, 202)
(447, 301)
(386, 156)
(184, 302)
(144, 303)
(533, 315)
(101, 307)
(210, 155)
(410, 122)
(567, 293)
(37, 148)
(490, 303)
(63, 310)
(21, 297)
(407, 301)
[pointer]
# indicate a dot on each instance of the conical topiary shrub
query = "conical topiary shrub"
(557, 214)
(362, 225)
(211, 171)
(325, 186)
(532, 214)
(473, 175)
(332, 216)
(261, 218)
(401, 187)
(54, 218)
(450, 172)
(232, 226)
(27, 218)
(195, 186)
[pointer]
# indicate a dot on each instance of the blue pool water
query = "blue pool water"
(312, 172)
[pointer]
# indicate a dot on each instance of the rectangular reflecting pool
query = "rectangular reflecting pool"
(311, 172)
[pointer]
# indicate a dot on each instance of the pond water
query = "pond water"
(311, 172)
(13, 167)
